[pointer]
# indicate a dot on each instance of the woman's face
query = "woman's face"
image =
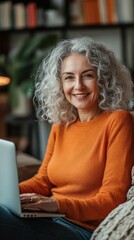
(79, 81)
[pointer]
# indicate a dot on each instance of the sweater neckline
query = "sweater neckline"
(92, 121)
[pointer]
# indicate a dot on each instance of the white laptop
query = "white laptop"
(9, 185)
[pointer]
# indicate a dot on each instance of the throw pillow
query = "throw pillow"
(119, 224)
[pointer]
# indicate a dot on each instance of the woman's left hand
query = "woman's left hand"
(37, 202)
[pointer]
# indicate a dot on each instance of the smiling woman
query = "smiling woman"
(84, 91)
(113, 79)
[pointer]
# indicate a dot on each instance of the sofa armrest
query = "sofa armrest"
(27, 166)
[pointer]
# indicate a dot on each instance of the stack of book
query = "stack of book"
(101, 11)
(30, 15)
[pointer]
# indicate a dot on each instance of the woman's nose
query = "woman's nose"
(78, 84)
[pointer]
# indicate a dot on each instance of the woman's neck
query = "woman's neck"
(86, 117)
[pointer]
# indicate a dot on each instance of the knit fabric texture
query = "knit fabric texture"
(119, 224)
(87, 167)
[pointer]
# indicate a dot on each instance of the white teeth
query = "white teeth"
(82, 94)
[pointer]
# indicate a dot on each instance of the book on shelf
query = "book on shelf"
(31, 15)
(40, 17)
(19, 15)
(76, 12)
(5, 15)
(99, 11)
(103, 12)
(111, 11)
(91, 11)
(116, 11)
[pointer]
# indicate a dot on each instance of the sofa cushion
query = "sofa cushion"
(24, 159)
(27, 166)
(130, 193)
(118, 225)
(28, 171)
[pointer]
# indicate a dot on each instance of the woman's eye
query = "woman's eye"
(88, 76)
(69, 78)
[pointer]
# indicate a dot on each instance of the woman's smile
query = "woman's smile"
(80, 96)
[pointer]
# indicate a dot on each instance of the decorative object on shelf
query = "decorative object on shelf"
(21, 65)
(5, 15)
(4, 80)
(53, 18)
(4, 83)
(23, 107)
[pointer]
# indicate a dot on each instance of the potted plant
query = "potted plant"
(21, 66)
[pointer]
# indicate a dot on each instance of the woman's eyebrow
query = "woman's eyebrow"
(89, 70)
(66, 73)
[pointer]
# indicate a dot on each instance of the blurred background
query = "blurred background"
(27, 30)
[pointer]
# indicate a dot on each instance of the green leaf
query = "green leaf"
(23, 64)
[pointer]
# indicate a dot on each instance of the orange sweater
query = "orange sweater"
(87, 167)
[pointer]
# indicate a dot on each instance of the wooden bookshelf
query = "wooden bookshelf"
(111, 8)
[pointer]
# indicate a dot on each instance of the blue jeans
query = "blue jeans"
(14, 227)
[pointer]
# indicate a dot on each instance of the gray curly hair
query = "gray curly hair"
(114, 80)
